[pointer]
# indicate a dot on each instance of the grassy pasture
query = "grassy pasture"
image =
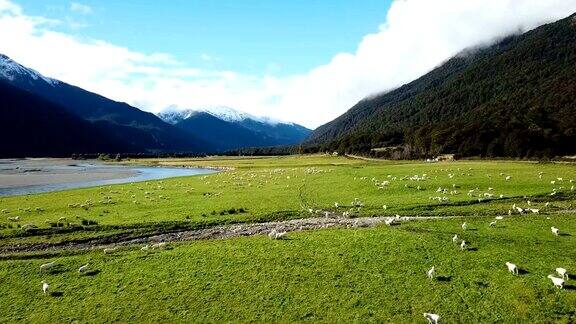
(336, 275)
(285, 187)
(375, 274)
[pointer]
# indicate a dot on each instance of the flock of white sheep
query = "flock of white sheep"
(512, 268)
(275, 176)
(84, 269)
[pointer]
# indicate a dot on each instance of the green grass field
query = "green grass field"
(332, 275)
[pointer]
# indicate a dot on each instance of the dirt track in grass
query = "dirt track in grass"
(216, 232)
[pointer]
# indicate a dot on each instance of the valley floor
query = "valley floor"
(337, 262)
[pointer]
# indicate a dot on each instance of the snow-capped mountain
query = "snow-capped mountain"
(49, 101)
(14, 72)
(228, 114)
(173, 115)
(232, 129)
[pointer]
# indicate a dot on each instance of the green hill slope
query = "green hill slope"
(516, 98)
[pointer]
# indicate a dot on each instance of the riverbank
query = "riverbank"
(25, 176)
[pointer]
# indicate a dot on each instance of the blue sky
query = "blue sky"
(305, 61)
(247, 36)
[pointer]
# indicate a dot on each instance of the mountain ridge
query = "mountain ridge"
(56, 131)
(243, 129)
(139, 128)
(509, 99)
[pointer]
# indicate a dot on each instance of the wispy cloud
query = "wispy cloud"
(206, 57)
(80, 8)
(416, 36)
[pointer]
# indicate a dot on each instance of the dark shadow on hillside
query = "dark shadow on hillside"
(523, 271)
(472, 249)
(564, 234)
(57, 294)
(571, 277)
(569, 287)
(444, 278)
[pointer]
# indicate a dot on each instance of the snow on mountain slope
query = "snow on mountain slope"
(264, 131)
(11, 71)
(174, 114)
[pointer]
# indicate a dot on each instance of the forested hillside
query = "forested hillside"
(515, 99)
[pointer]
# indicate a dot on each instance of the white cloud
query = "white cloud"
(417, 36)
(80, 8)
(206, 57)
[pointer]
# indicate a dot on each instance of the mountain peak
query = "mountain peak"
(228, 114)
(174, 114)
(12, 71)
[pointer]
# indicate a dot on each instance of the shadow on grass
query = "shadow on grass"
(56, 270)
(91, 273)
(523, 271)
(564, 234)
(571, 277)
(57, 294)
(569, 287)
(444, 278)
(472, 249)
(482, 284)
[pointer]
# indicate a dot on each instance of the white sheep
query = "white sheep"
(431, 272)
(508, 178)
(110, 250)
(535, 211)
(554, 230)
(275, 235)
(45, 288)
(272, 234)
(493, 223)
(389, 221)
(145, 248)
(464, 226)
(432, 318)
(455, 238)
(47, 266)
(463, 245)
(83, 268)
(499, 218)
(562, 272)
(558, 282)
(512, 267)
(160, 245)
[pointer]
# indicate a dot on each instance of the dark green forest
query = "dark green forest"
(516, 98)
